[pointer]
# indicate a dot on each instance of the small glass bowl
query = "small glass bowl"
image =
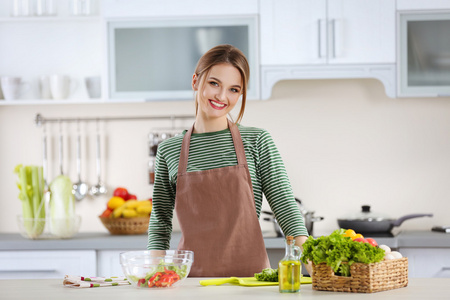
(156, 268)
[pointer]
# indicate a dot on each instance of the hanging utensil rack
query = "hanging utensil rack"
(40, 120)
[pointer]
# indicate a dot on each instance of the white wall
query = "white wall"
(344, 143)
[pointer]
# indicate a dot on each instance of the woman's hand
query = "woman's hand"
(299, 240)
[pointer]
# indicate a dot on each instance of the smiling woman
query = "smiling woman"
(214, 175)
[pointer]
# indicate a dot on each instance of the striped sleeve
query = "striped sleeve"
(277, 188)
(160, 226)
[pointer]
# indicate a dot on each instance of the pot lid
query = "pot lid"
(365, 215)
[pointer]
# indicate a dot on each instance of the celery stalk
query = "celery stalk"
(31, 195)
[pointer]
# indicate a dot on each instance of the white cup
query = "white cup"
(44, 87)
(13, 87)
(93, 86)
(61, 86)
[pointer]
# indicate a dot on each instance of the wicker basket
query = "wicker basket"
(364, 278)
(138, 225)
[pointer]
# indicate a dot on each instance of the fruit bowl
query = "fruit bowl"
(137, 225)
(156, 268)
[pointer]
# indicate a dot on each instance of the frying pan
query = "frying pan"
(367, 222)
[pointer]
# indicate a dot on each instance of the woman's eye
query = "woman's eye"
(235, 90)
(214, 83)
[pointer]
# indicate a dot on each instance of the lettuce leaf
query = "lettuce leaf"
(267, 275)
(336, 249)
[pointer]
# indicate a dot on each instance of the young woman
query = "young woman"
(214, 176)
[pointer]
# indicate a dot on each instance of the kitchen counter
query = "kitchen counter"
(418, 288)
(98, 241)
(106, 241)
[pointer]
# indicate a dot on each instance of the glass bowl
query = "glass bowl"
(48, 228)
(156, 268)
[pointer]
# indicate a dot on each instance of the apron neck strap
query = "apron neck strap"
(237, 141)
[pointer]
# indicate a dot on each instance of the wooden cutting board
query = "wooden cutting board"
(246, 281)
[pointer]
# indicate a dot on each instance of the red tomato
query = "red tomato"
(131, 196)
(361, 240)
(121, 192)
(372, 242)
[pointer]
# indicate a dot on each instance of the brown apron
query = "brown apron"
(217, 216)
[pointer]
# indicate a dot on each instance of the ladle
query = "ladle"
(80, 189)
(99, 188)
(60, 149)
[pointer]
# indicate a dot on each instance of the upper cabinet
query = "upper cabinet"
(178, 8)
(305, 32)
(315, 39)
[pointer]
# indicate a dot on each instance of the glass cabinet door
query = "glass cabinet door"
(155, 60)
(424, 54)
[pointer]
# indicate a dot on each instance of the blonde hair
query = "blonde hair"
(225, 54)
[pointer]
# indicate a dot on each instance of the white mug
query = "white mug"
(44, 87)
(93, 86)
(13, 87)
(61, 86)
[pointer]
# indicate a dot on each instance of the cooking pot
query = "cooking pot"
(308, 218)
(368, 222)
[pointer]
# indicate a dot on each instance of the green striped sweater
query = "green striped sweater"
(215, 150)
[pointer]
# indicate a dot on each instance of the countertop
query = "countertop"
(106, 241)
(418, 288)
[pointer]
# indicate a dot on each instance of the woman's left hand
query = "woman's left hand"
(299, 240)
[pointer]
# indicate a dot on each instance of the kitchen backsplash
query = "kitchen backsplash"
(344, 143)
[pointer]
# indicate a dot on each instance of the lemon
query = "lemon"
(115, 202)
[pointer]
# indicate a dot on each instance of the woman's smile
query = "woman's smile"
(216, 104)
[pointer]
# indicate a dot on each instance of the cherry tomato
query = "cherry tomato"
(361, 240)
(372, 242)
(121, 192)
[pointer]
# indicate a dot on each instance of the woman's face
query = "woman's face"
(219, 92)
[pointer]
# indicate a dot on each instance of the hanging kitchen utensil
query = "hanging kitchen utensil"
(60, 149)
(369, 222)
(99, 188)
(46, 192)
(80, 189)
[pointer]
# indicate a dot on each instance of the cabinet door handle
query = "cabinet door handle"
(319, 40)
(333, 36)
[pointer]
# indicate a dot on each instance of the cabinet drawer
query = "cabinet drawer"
(427, 262)
(47, 264)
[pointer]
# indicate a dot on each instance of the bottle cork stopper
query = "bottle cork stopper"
(289, 238)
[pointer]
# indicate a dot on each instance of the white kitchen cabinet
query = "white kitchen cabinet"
(108, 263)
(47, 264)
(178, 8)
(323, 39)
(292, 32)
(422, 4)
(427, 262)
(305, 32)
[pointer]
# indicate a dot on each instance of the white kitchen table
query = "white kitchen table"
(427, 288)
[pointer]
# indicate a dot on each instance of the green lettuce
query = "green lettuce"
(62, 207)
(267, 275)
(339, 252)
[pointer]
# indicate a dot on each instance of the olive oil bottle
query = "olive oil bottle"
(290, 268)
